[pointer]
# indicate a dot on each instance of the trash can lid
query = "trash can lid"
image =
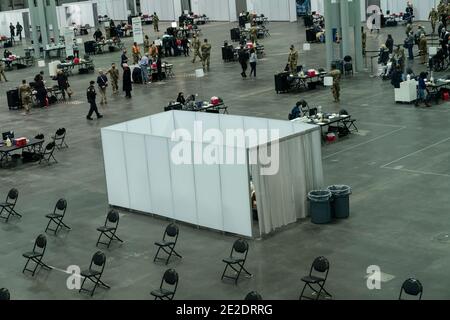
(340, 190)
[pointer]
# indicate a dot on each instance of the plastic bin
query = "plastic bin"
(320, 206)
(340, 204)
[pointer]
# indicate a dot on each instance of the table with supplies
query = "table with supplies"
(18, 61)
(287, 82)
(214, 105)
(20, 144)
(60, 50)
(332, 125)
(111, 44)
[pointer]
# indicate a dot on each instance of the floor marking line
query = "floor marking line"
(420, 172)
(364, 143)
(416, 152)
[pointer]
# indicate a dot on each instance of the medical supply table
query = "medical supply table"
(5, 152)
(344, 124)
(306, 81)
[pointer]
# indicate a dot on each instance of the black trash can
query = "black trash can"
(340, 204)
(320, 206)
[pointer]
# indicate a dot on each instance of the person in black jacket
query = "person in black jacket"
(127, 85)
(63, 84)
(397, 77)
(91, 96)
(390, 44)
(159, 68)
(123, 58)
(41, 91)
(243, 60)
(181, 99)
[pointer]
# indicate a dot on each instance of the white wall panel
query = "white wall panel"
(208, 195)
(115, 9)
(236, 199)
(162, 124)
(137, 172)
(274, 10)
(81, 13)
(165, 9)
(6, 17)
(183, 190)
(185, 121)
(141, 126)
(159, 176)
(115, 168)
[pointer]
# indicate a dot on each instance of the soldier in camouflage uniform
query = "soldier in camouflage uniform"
(114, 73)
(196, 44)
(293, 59)
(433, 17)
(336, 89)
(206, 55)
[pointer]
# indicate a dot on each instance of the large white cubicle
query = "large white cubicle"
(144, 173)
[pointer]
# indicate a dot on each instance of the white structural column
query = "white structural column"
(345, 28)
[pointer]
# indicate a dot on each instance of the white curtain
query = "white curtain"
(6, 17)
(282, 198)
(165, 9)
(80, 13)
(279, 10)
(115, 9)
(217, 10)
(422, 8)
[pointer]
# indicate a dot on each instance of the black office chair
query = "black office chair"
(411, 287)
(253, 296)
(109, 229)
(57, 216)
(316, 283)
(171, 278)
(94, 273)
(36, 255)
(237, 259)
(348, 65)
(4, 294)
(9, 205)
(60, 139)
(168, 247)
(47, 153)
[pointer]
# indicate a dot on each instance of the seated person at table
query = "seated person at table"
(98, 35)
(297, 111)
(181, 99)
(119, 30)
(320, 33)
(7, 54)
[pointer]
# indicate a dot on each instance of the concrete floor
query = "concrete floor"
(398, 166)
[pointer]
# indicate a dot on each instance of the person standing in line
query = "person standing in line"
(206, 55)
(25, 95)
(155, 22)
(19, 30)
(409, 43)
(143, 64)
(422, 90)
(136, 53)
(336, 89)
(196, 45)
(423, 48)
(185, 45)
(146, 44)
(102, 82)
(114, 73)
(2, 71)
(91, 96)
(243, 60)
(11, 30)
(293, 59)
(123, 58)
(159, 68)
(390, 44)
(253, 62)
(127, 85)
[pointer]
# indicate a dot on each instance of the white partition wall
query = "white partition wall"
(80, 13)
(422, 8)
(6, 17)
(168, 10)
(115, 9)
(144, 172)
(279, 10)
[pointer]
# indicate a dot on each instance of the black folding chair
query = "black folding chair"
(36, 255)
(171, 278)
(94, 273)
(8, 207)
(4, 294)
(60, 139)
(47, 153)
(411, 287)
(253, 296)
(237, 259)
(168, 247)
(349, 123)
(57, 217)
(315, 282)
(109, 229)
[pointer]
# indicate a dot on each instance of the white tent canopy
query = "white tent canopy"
(143, 174)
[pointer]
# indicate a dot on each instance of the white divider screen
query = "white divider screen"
(422, 8)
(79, 13)
(115, 9)
(217, 10)
(6, 17)
(280, 10)
(212, 187)
(165, 9)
